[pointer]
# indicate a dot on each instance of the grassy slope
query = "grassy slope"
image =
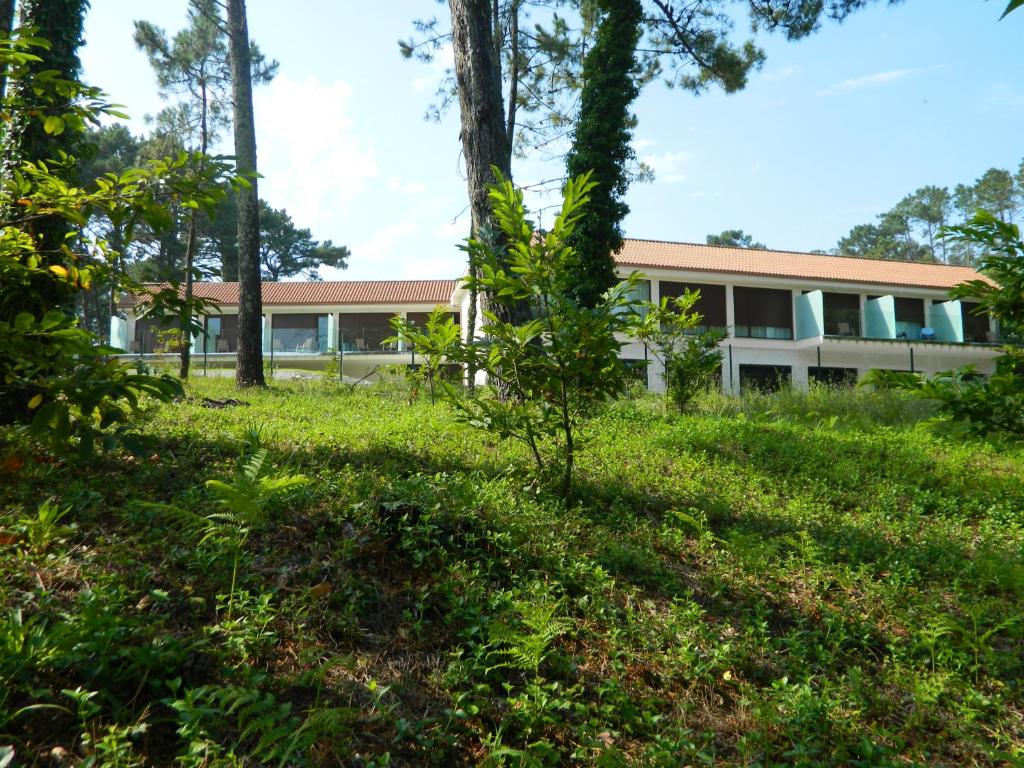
(749, 587)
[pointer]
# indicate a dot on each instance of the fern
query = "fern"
(266, 728)
(186, 523)
(526, 649)
(246, 497)
(244, 503)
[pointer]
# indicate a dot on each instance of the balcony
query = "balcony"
(299, 333)
(889, 318)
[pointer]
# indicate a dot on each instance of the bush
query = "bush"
(555, 365)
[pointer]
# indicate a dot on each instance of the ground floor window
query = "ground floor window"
(764, 378)
(831, 376)
(636, 370)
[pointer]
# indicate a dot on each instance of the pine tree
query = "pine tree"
(195, 64)
(249, 364)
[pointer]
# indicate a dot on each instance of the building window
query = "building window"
(298, 333)
(976, 326)
(641, 291)
(831, 376)
(710, 306)
(842, 314)
(763, 313)
(366, 331)
(764, 378)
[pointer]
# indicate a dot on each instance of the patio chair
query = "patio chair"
(222, 345)
(360, 345)
(306, 346)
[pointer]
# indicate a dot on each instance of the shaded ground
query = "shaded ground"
(769, 586)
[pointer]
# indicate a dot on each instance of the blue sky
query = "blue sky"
(834, 130)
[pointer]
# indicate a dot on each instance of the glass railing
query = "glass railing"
(908, 330)
(295, 340)
(368, 343)
(842, 322)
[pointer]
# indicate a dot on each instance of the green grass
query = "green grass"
(790, 580)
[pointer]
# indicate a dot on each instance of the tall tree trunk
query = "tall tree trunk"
(513, 77)
(190, 243)
(482, 115)
(186, 331)
(249, 366)
(477, 73)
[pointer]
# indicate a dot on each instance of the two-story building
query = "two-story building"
(788, 317)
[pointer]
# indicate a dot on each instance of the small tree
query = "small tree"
(433, 341)
(690, 359)
(558, 364)
(53, 374)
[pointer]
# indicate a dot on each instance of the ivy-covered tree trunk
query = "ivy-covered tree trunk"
(6, 25)
(603, 143)
(249, 366)
(60, 22)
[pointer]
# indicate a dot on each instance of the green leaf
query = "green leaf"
(54, 124)
(23, 322)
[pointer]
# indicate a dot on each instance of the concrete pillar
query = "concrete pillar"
(730, 312)
(268, 331)
(130, 332)
(799, 374)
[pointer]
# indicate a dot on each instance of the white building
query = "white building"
(799, 317)
(793, 317)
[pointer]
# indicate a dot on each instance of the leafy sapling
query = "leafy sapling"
(689, 359)
(435, 342)
(553, 360)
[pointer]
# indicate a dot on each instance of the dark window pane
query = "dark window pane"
(763, 313)
(976, 327)
(710, 305)
(833, 377)
(764, 378)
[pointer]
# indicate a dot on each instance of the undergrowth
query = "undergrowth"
(784, 580)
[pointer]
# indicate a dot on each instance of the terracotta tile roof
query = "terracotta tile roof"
(801, 266)
(430, 292)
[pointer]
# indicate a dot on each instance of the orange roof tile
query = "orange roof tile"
(788, 264)
(430, 292)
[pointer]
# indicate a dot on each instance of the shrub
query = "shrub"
(558, 362)
(690, 360)
(976, 404)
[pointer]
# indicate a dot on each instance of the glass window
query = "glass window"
(763, 313)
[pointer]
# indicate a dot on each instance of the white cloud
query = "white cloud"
(668, 166)
(313, 162)
(879, 78)
(455, 230)
(641, 144)
(381, 244)
(395, 184)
